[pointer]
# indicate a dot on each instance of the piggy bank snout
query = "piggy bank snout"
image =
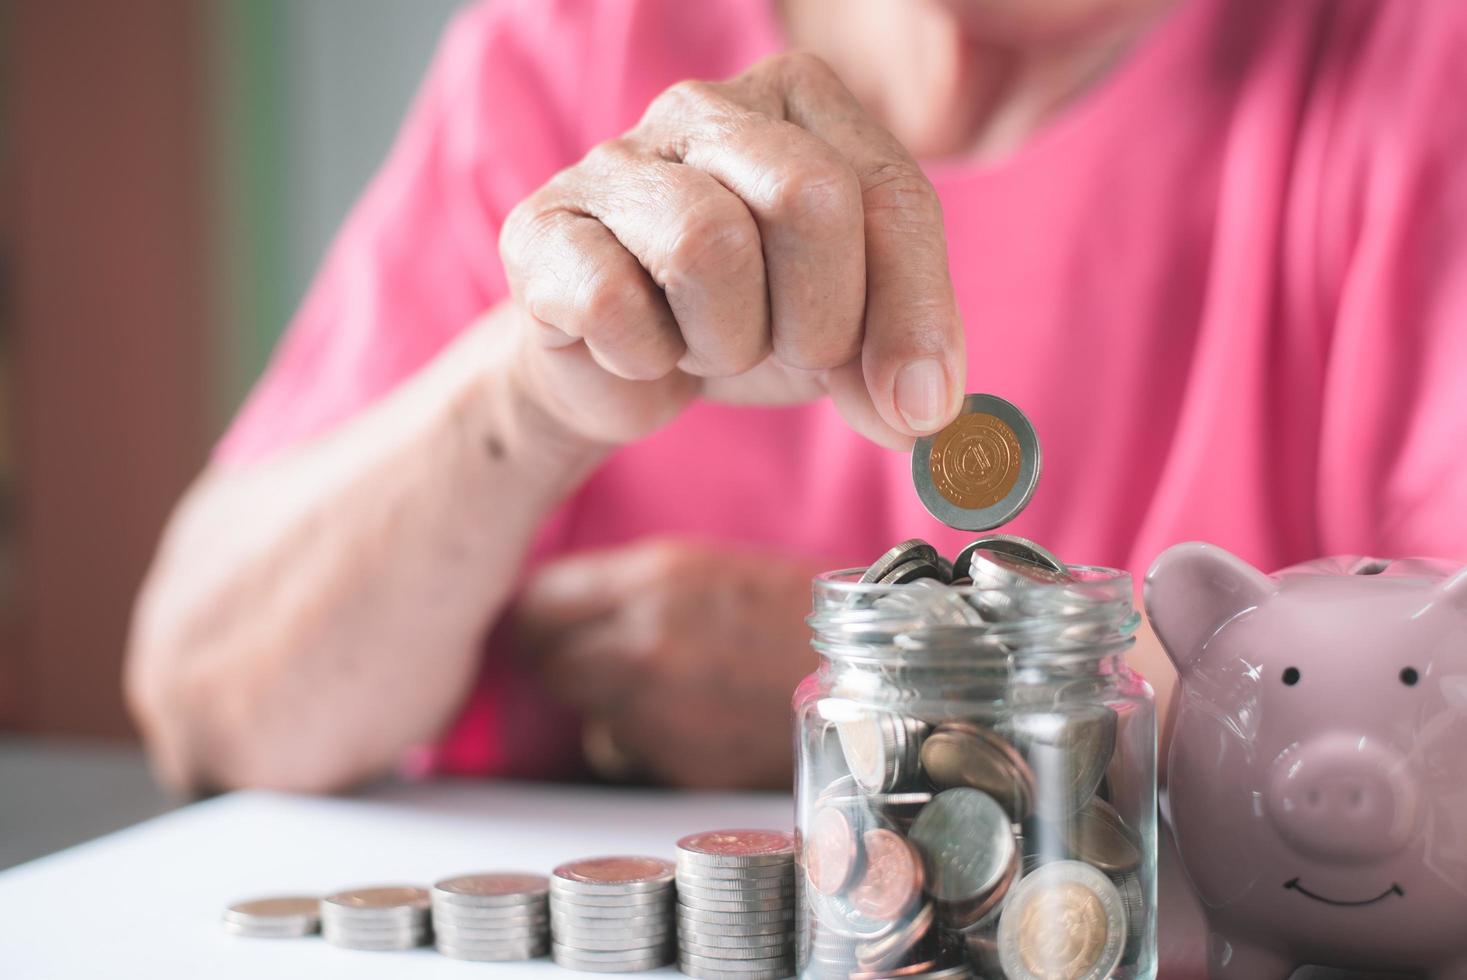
(1343, 798)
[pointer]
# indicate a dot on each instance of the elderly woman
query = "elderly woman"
(624, 341)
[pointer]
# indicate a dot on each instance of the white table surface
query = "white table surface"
(145, 902)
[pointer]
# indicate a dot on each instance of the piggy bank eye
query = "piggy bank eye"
(1409, 677)
(1291, 676)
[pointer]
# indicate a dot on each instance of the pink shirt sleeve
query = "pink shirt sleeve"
(1393, 439)
(417, 259)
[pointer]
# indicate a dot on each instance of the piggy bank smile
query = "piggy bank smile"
(1296, 885)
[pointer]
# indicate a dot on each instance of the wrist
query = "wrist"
(512, 424)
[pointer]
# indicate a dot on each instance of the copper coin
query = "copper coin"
(892, 882)
(619, 872)
(739, 846)
(381, 898)
(892, 948)
(830, 852)
(966, 755)
(1098, 836)
(975, 461)
(492, 888)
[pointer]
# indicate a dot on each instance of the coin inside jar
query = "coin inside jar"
(891, 883)
(831, 854)
(980, 471)
(1071, 748)
(1098, 836)
(1065, 920)
(1013, 547)
(913, 550)
(967, 844)
(967, 754)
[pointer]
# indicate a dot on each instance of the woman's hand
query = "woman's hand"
(758, 240)
(688, 654)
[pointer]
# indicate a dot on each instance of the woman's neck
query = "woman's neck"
(942, 88)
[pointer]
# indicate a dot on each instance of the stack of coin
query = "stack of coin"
(492, 916)
(613, 914)
(736, 905)
(381, 917)
(282, 917)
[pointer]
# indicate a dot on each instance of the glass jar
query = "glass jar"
(976, 782)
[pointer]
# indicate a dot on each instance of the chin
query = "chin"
(1023, 22)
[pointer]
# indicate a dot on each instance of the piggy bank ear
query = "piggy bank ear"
(1192, 590)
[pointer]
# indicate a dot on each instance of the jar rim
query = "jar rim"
(1096, 580)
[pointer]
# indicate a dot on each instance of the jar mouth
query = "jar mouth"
(1086, 618)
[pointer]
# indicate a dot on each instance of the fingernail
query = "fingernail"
(921, 394)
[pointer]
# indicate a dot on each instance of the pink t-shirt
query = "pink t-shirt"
(1229, 286)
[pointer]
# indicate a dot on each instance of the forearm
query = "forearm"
(308, 618)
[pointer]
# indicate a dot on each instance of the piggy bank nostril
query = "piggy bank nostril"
(1356, 798)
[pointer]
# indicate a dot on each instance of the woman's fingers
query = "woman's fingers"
(913, 351)
(765, 215)
(577, 281)
(698, 243)
(806, 201)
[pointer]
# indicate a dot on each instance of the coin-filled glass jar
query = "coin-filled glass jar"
(976, 782)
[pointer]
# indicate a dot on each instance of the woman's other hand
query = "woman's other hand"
(686, 654)
(760, 240)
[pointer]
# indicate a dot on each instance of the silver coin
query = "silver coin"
(1069, 750)
(873, 746)
(571, 962)
(614, 927)
(935, 603)
(490, 918)
(684, 913)
(349, 941)
(778, 904)
(768, 951)
(971, 452)
(910, 572)
(288, 931)
(1013, 546)
(610, 944)
(785, 878)
(632, 900)
(740, 873)
(702, 973)
(778, 893)
(783, 961)
(274, 917)
(490, 955)
(489, 889)
(1096, 893)
(908, 551)
(448, 926)
(713, 935)
(615, 955)
(967, 844)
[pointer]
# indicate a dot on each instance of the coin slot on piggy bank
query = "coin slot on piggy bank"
(1318, 766)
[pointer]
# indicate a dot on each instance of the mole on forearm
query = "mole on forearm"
(493, 447)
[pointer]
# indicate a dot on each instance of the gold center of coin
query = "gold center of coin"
(975, 461)
(1062, 932)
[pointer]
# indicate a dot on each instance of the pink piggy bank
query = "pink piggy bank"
(1318, 767)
